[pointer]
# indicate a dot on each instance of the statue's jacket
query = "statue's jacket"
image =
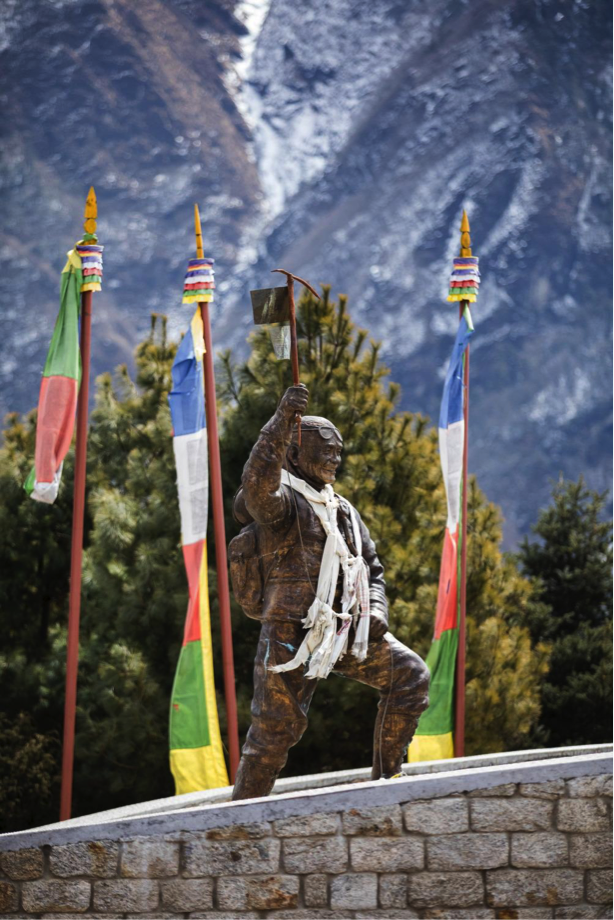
(289, 536)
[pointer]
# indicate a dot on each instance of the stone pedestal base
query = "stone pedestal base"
(517, 838)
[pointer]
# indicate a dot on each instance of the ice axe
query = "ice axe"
(276, 305)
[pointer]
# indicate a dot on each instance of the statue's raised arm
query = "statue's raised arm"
(262, 494)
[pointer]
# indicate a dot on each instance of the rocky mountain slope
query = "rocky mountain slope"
(340, 138)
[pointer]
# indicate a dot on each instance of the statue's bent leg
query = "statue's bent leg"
(279, 710)
(402, 678)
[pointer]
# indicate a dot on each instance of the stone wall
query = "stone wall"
(527, 841)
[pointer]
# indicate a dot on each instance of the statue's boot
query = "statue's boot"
(254, 780)
(390, 742)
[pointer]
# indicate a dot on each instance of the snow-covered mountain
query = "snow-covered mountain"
(340, 138)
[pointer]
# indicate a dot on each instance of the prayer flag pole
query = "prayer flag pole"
(218, 525)
(441, 730)
(459, 727)
(76, 552)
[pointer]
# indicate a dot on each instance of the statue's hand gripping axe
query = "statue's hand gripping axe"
(276, 305)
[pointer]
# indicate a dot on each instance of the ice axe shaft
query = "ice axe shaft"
(290, 279)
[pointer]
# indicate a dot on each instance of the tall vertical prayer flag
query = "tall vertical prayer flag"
(60, 384)
(434, 736)
(196, 755)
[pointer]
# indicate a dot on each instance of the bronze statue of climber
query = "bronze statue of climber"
(305, 565)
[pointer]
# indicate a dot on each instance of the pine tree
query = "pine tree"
(572, 562)
(34, 571)
(28, 776)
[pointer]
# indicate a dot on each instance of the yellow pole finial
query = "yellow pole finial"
(465, 246)
(91, 212)
(200, 253)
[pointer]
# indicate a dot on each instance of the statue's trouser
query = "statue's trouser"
(281, 703)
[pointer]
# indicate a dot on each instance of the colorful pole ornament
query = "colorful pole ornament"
(465, 279)
(91, 262)
(440, 732)
(198, 286)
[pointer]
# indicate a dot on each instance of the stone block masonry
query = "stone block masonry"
(528, 840)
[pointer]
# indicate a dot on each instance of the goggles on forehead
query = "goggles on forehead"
(328, 432)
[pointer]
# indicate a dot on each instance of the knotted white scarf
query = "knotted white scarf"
(325, 643)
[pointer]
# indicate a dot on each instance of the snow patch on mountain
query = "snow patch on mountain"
(563, 400)
(10, 24)
(303, 106)
(524, 202)
(594, 234)
(252, 13)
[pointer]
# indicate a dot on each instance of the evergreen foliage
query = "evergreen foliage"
(27, 772)
(34, 574)
(572, 561)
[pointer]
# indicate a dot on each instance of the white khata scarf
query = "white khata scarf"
(325, 643)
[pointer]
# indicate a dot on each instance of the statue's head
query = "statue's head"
(319, 456)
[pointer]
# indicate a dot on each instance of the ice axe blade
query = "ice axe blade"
(270, 305)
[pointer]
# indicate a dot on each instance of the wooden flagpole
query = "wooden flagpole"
(459, 721)
(76, 551)
(217, 503)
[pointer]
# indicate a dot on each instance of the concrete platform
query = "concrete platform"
(297, 795)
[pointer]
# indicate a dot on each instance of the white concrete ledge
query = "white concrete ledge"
(348, 789)
(321, 780)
